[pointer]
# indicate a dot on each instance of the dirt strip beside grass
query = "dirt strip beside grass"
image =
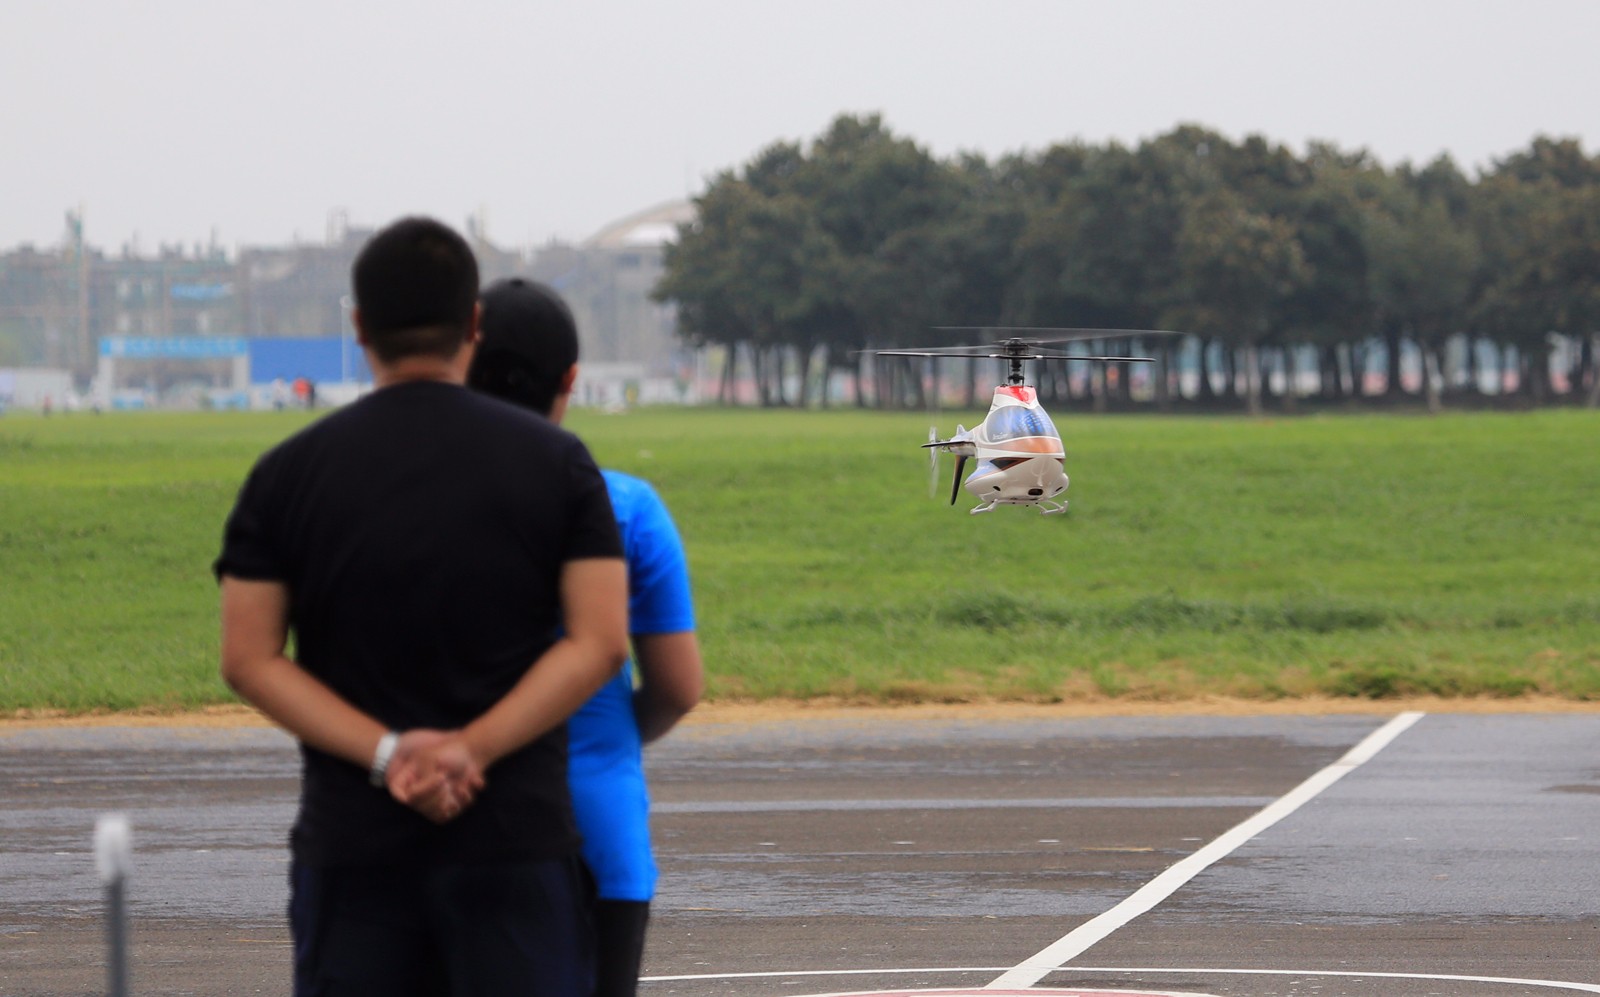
(771, 711)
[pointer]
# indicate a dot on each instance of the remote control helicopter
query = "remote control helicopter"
(1021, 460)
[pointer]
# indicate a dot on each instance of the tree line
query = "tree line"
(1296, 278)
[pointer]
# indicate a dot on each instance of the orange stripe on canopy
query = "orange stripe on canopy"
(1032, 444)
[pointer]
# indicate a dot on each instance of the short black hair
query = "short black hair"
(528, 341)
(416, 285)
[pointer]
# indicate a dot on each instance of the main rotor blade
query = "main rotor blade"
(1011, 356)
(1100, 359)
(954, 351)
(1068, 334)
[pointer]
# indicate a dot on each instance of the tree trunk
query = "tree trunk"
(1330, 374)
(1122, 384)
(1538, 364)
(1574, 365)
(829, 365)
(808, 363)
(1291, 375)
(1392, 384)
(1098, 384)
(1591, 363)
(745, 358)
(1430, 375)
(1252, 379)
(758, 364)
(1450, 371)
(1205, 390)
(1163, 370)
(1265, 392)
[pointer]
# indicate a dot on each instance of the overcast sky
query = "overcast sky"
(173, 120)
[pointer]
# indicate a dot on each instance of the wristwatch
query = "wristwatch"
(380, 758)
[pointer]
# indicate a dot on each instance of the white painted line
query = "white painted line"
(1076, 942)
(820, 972)
(1582, 988)
(1026, 992)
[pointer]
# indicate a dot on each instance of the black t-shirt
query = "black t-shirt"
(421, 533)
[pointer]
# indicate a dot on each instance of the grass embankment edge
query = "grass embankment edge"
(788, 710)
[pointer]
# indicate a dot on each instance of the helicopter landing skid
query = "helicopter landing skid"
(1046, 507)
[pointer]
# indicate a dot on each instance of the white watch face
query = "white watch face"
(380, 758)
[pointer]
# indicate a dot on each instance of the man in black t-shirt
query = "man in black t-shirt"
(450, 569)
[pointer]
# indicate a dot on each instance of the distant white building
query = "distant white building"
(63, 306)
(43, 388)
(608, 279)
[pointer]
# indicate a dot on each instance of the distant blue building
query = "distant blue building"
(247, 365)
(322, 359)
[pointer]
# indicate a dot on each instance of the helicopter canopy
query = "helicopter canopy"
(1013, 422)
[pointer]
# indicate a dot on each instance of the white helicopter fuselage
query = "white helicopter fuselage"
(1020, 457)
(1021, 460)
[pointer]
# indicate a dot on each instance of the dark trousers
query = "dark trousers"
(491, 930)
(619, 945)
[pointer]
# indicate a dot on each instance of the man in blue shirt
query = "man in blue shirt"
(528, 355)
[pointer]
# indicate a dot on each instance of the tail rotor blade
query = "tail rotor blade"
(955, 485)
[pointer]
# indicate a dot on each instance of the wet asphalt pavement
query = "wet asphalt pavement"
(875, 852)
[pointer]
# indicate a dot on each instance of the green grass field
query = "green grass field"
(1367, 556)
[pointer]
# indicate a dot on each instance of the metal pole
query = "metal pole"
(346, 305)
(113, 855)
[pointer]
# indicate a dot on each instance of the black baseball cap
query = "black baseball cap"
(528, 341)
(529, 319)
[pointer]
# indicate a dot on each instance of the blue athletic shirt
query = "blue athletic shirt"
(606, 760)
